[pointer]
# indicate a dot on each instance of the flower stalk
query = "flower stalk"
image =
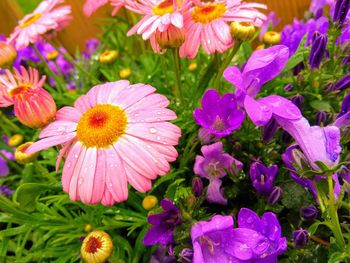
(177, 70)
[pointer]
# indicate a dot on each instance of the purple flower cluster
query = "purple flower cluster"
(254, 240)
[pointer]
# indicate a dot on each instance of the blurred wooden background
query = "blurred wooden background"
(83, 28)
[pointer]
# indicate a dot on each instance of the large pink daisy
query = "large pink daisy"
(114, 135)
(159, 15)
(46, 17)
(207, 23)
(91, 6)
(33, 105)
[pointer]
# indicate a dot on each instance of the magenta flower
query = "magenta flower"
(4, 169)
(219, 115)
(162, 231)
(255, 239)
(213, 165)
(263, 177)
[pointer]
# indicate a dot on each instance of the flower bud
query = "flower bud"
(87, 228)
(186, 255)
(205, 136)
(192, 66)
(22, 157)
(272, 38)
(97, 247)
(300, 238)
(197, 186)
(321, 118)
(298, 100)
(309, 212)
(269, 130)
(298, 68)
(288, 87)
(345, 174)
(109, 56)
(52, 55)
(125, 73)
(340, 11)
(243, 31)
(318, 50)
(172, 37)
(275, 195)
(7, 54)
(149, 202)
(5, 190)
(15, 140)
(260, 47)
(343, 83)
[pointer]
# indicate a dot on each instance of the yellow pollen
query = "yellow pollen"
(30, 20)
(101, 126)
(208, 13)
(163, 8)
(19, 90)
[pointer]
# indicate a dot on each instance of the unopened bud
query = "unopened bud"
(109, 56)
(197, 186)
(243, 31)
(7, 54)
(21, 156)
(272, 38)
(15, 140)
(300, 238)
(275, 195)
(309, 212)
(149, 202)
(173, 37)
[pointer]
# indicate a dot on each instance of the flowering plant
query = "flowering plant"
(178, 137)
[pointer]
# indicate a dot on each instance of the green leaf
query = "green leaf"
(26, 195)
(321, 105)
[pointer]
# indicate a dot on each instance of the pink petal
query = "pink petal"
(82, 103)
(150, 115)
(50, 141)
(58, 128)
(139, 182)
(69, 166)
(133, 94)
(68, 114)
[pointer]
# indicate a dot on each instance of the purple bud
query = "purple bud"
(309, 212)
(286, 138)
(319, 13)
(298, 68)
(186, 255)
(5, 190)
(340, 11)
(345, 174)
(318, 50)
(269, 130)
(197, 186)
(288, 87)
(321, 118)
(346, 60)
(343, 83)
(298, 100)
(275, 195)
(300, 238)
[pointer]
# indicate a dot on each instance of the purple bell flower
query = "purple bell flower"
(255, 239)
(309, 212)
(321, 118)
(300, 238)
(161, 255)
(162, 231)
(341, 10)
(275, 195)
(213, 165)
(186, 255)
(4, 169)
(269, 130)
(205, 136)
(263, 177)
(288, 87)
(345, 174)
(219, 115)
(91, 46)
(318, 50)
(298, 100)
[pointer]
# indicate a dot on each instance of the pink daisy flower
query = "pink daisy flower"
(159, 15)
(91, 6)
(114, 135)
(207, 23)
(33, 105)
(46, 17)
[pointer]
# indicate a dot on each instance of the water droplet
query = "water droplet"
(80, 181)
(153, 130)
(158, 119)
(136, 115)
(69, 165)
(158, 138)
(159, 112)
(110, 185)
(76, 155)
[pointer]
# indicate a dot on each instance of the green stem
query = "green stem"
(319, 197)
(333, 213)
(226, 63)
(10, 123)
(208, 74)
(49, 71)
(177, 70)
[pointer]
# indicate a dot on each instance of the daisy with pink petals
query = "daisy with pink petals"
(207, 24)
(49, 15)
(159, 16)
(33, 105)
(91, 6)
(114, 135)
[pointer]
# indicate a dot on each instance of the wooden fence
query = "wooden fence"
(83, 28)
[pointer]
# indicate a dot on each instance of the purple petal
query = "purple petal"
(214, 194)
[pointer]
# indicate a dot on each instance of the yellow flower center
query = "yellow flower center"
(30, 20)
(163, 8)
(19, 90)
(208, 13)
(101, 126)
(109, 56)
